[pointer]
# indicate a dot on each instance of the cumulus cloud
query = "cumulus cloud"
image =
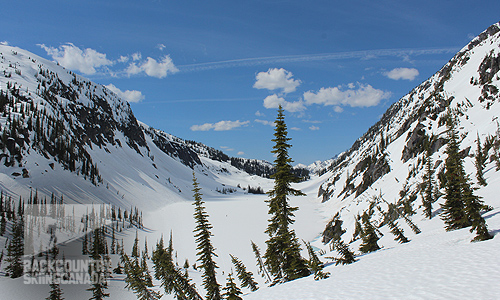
(313, 128)
(276, 79)
(136, 56)
(359, 95)
(240, 153)
(403, 73)
(74, 58)
(265, 122)
(130, 96)
(153, 68)
(5, 43)
(161, 47)
(274, 101)
(219, 126)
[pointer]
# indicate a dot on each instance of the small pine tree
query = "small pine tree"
(232, 291)
(245, 277)
(315, 265)
(480, 161)
(138, 278)
(55, 290)
(15, 250)
(135, 247)
(346, 255)
(397, 232)
(260, 263)
(206, 251)
(428, 185)
(369, 237)
(172, 278)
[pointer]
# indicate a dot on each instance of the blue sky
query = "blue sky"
(215, 71)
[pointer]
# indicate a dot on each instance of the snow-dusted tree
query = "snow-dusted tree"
(245, 277)
(172, 278)
(282, 256)
(15, 250)
(55, 290)
(480, 161)
(346, 254)
(99, 272)
(138, 278)
(369, 236)
(315, 265)
(260, 263)
(206, 251)
(397, 232)
(428, 185)
(231, 290)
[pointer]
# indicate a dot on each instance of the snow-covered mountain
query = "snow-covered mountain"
(386, 164)
(63, 134)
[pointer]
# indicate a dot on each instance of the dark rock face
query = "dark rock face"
(333, 230)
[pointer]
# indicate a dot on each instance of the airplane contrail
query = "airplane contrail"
(365, 54)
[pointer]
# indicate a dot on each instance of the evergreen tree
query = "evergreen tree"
(480, 161)
(245, 277)
(15, 250)
(55, 290)
(135, 247)
(346, 255)
(282, 255)
(369, 237)
(138, 278)
(260, 263)
(462, 208)
(172, 278)
(98, 270)
(315, 265)
(397, 232)
(454, 208)
(428, 185)
(206, 251)
(232, 292)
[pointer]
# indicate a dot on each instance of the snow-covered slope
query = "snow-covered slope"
(387, 161)
(66, 135)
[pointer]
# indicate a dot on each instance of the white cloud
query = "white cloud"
(161, 47)
(123, 59)
(295, 128)
(338, 109)
(259, 114)
(275, 79)
(403, 73)
(74, 58)
(5, 43)
(265, 122)
(136, 56)
(314, 128)
(240, 153)
(130, 96)
(153, 68)
(361, 95)
(219, 126)
(227, 148)
(274, 101)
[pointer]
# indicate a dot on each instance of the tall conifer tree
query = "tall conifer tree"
(462, 208)
(206, 251)
(282, 255)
